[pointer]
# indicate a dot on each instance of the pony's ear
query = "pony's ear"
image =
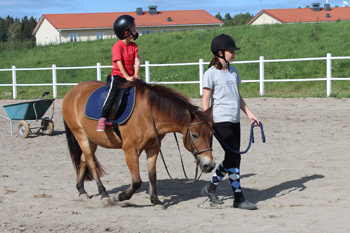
(190, 115)
(209, 110)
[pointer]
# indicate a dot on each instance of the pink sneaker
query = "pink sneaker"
(101, 125)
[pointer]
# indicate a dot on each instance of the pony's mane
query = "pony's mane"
(170, 102)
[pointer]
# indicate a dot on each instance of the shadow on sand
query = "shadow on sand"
(172, 193)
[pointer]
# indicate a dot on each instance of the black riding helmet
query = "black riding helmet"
(123, 24)
(221, 43)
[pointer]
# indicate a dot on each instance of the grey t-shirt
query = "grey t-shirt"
(224, 93)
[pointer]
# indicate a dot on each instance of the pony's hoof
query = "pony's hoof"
(159, 207)
(107, 201)
(115, 198)
(84, 197)
(120, 196)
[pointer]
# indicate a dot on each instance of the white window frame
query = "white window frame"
(100, 35)
(145, 32)
(73, 37)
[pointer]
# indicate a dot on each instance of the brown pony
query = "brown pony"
(171, 112)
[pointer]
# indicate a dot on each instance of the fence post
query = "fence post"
(98, 68)
(201, 71)
(54, 81)
(14, 82)
(262, 70)
(329, 74)
(147, 71)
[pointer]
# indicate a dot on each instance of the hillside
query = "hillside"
(270, 41)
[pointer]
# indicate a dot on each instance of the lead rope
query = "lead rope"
(183, 168)
(161, 153)
(182, 163)
(157, 140)
(251, 140)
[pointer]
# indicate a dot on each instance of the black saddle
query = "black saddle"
(119, 103)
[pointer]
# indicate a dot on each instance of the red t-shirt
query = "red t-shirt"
(125, 53)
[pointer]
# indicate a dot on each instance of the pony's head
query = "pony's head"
(194, 124)
(197, 139)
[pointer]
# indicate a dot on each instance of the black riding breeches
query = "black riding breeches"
(116, 82)
(230, 133)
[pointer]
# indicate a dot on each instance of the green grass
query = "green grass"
(271, 41)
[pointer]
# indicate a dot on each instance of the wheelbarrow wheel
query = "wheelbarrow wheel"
(23, 129)
(47, 127)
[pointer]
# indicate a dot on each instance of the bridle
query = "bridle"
(189, 136)
(194, 150)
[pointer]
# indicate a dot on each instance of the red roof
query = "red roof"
(305, 15)
(106, 20)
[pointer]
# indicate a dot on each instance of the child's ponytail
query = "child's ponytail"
(215, 62)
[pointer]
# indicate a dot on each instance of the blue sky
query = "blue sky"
(21, 8)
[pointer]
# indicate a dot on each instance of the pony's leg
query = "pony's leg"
(152, 154)
(90, 160)
(132, 160)
(80, 179)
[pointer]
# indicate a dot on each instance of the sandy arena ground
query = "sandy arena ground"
(299, 179)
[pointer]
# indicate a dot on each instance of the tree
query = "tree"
(16, 33)
(238, 19)
(219, 16)
(13, 32)
(9, 28)
(32, 24)
(3, 30)
(27, 26)
(25, 30)
(242, 19)
(228, 20)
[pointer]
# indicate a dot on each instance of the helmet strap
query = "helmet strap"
(131, 34)
(223, 57)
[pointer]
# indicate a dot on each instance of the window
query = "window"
(147, 32)
(99, 35)
(73, 37)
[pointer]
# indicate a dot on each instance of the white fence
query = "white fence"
(328, 78)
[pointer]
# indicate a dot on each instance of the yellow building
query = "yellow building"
(301, 15)
(62, 28)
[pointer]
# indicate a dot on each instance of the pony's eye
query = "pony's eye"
(195, 136)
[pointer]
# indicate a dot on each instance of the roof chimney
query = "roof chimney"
(327, 7)
(139, 11)
(153, 10)
(316, 6)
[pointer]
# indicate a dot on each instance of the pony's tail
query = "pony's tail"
(75, 154)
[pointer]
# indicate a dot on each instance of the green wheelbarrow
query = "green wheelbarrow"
(32, 111)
